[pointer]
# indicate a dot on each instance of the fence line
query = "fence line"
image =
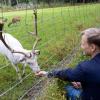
(15, 85)
(4, 66)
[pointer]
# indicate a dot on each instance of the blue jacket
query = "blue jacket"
(88, 73)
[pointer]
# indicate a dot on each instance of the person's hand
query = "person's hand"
(76, 84)
(41, 73)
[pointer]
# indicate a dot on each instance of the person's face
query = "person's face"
(87, 48)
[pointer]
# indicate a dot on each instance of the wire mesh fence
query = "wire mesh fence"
(59, 23)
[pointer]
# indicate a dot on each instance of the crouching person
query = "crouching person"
(86, 72)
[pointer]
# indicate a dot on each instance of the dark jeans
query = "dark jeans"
(72, 93)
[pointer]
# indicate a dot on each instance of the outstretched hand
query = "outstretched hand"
(41, 73)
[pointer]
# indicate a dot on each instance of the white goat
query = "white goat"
(20, 55)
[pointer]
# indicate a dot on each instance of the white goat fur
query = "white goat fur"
(16, 58)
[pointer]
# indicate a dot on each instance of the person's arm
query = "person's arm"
(69, 74)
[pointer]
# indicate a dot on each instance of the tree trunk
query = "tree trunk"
(83, 1)
(17, 2)
(9, 2)
(5, 2)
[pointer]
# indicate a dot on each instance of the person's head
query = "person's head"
(90, 42)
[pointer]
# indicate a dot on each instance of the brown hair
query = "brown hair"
(93, 35)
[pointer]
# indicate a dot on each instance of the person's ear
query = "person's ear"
(93, 47)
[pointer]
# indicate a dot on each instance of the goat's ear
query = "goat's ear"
(37, 52)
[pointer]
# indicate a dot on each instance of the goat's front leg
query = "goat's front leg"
(24, 66)
(17, 70)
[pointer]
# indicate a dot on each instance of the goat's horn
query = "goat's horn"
(36, 41)
(23, 54)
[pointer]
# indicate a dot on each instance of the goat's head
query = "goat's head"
(30, 58)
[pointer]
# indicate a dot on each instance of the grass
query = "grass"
(59, 30)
